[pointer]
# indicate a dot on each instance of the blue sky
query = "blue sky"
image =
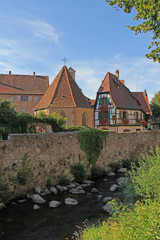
(35, 35)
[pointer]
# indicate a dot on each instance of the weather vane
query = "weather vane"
(64, 60)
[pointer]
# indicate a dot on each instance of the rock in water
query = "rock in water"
(35, 207)
(114, 187)
(54, 204)
(36, 198)
(107, 199)
(108, 208)
(2, 205)
(53, 190)
(71, 201)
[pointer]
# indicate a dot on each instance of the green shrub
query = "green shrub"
(74, 128)
(48, 183)
(97, 172)
(141, 223)
(79, 172)
(115, 166)
(127, 163)
(25, 172)
(91, 142)
(64, 180)
(145, 179)
(3, 188)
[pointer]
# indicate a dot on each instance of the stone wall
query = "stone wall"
(51, 155)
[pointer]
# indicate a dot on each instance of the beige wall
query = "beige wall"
(23, 105)
(52, 154)
(74, 115)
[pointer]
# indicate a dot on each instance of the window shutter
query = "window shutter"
(108, 114)
(100, 115)
(120, 113)
(100, 102)
(126, 114)
(108, 100)
(134, 115)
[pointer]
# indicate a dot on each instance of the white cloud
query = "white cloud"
(43, 30)
(138, 73)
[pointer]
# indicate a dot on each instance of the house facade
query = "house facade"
(24, 91)
(117, 109)
(64, 97)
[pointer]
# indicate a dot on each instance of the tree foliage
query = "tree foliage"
(148, 12)
(155, 105)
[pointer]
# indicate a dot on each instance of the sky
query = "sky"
(35, 35)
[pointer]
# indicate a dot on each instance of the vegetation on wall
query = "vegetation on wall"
(91, 142)
(142, 219)
(24, 173)
(3, 188)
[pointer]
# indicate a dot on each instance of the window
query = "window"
(125, 114)
(103, 101)
(63, 114)
(24, 98)
(30, 98)
(11, 99)
(18, 98)
(36, 99)
(84, 119)
(23, 110)
(136, 115)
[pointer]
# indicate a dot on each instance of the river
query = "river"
(20, 222)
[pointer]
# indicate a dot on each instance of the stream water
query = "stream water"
(20, 222)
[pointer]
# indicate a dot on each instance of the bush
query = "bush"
(143, 220)
(141, 223)
(3, 188)
(145, 179)
(115, 166)
(64, 180)
(79, 172)
(48, 183)
(97, 172)
(74, 128)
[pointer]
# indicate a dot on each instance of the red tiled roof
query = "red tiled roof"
(63, 92)
(143, 99)
(120, 94)
(23, 84)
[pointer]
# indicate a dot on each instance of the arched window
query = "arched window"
(84, 119)
(63, 114)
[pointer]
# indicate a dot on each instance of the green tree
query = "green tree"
(23, 120)
(7, 112)
(148, 12)
(155, 105)
(8, 118)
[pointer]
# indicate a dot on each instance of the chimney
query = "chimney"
(9, 72)
(117, 73)
(34, 73)
(145, 93)
(72, 72)
(123, 82)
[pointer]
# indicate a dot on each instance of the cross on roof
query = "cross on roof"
(64, 60)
